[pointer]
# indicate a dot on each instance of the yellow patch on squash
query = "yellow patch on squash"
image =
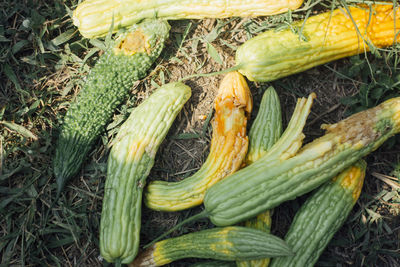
(132, 43)
(158, 255)
(352, 179)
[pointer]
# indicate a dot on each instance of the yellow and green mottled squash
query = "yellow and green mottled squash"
(129, 163)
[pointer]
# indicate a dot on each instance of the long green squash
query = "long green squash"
(228, 149)
(267, 126)
(320, 39)
(262, 186)
(220, 243)
(94, 17)
(321, 216)
(129, 163)
(108, 83)
(264, 133)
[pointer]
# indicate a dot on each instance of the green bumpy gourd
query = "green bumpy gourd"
(321, 216)
(107, 85)
(264, 185)
(220, 243)
(129, 163)
(267, 126)
(264, 133)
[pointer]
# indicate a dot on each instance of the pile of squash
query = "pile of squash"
(245, 175)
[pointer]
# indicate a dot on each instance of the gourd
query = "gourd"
(321, 216)
(264, 133)
(267, 126)
(107, 85)
(220, 243)
(94, 17)
(286, 147)
(262, 185)
(129, 163)
(320, 39)
(229, 143)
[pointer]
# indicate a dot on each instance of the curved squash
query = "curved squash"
(228, 149)
(129, 163)
(220, 243)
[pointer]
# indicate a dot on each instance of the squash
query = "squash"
(264, 133)
(267, 126)
(94, 17)
(220, 243)
(320, 39)
(107, 85)
(229, 143)
(214, 263)
(264, 185)
(129, 163)
(286, 147)
(321, 216)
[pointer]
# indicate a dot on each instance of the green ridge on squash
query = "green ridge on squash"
(267, 126)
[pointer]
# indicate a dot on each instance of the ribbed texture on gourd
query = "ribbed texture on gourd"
(321, 216)
(214, 263)
(263, 223)
(229, 144)
(228, 243)
(329, 36)
(267, 126)
(107, 85)
(93, 17)
(264, 133)
(129, 163)
(262, 186)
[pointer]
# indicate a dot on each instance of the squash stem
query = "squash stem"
(234, 68)
(200, 215)
(118, 262)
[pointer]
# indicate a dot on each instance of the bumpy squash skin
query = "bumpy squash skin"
(107, 85)
(261, 186)
(264, 133)
(267, 126)
(229, 143)
(321, 216)
(329, 36)
(227, 243)
(93, 17)
(129, 163)
(214, 264)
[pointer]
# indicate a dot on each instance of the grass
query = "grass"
(43, 64)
